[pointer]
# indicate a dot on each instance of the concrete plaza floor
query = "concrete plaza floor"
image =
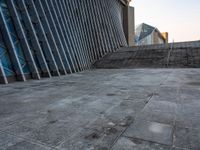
(125, 109)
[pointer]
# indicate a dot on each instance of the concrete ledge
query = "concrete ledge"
(125, 2)
(182, 55)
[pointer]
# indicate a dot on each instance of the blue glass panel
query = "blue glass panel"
(14, 38)
(10, 26)
(5, 60)
(28, 36)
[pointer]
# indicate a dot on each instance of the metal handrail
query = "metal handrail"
(169, 53)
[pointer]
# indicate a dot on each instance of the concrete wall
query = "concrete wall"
(44, 38)
(129, 25)
(176, 55)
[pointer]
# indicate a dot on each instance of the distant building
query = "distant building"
(148, 35)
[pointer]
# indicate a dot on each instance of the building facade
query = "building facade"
(44, 38)
(149, 35)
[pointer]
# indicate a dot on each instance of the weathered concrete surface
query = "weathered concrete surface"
(103, 109)
(129, 24)
(177, 55)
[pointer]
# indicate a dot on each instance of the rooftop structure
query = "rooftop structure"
(126, 2)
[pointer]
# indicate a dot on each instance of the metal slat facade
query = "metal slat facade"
(44, 38)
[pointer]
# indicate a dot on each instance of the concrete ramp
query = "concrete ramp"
(176, 55)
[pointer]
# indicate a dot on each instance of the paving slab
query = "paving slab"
(157, 116)
(103, 109)
(187, 138)
(125, 143)
(24, 145)
(164, 106)
(84, 139)
(10, 142)
(151, 131)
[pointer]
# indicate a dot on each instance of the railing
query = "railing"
(169, 53)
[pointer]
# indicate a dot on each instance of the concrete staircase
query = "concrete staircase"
(173, 55)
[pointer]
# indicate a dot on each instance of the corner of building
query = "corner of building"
(129, 24)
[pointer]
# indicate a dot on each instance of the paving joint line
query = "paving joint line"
(27, 139)
(117, 138)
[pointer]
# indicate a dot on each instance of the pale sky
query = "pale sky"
(181, 18)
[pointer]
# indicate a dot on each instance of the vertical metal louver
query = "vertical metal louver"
(44, 38)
